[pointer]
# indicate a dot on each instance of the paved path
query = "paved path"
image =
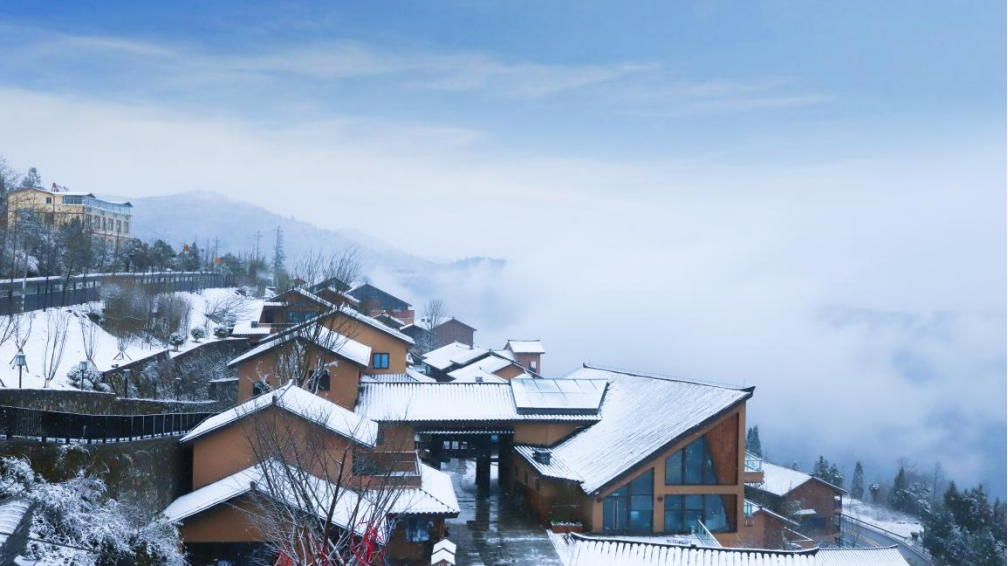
(489, 530)
(867, 537)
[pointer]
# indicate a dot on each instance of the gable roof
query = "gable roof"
(454, 354)
(434, 496)
(443, 402)
(780, 480)
(526, 346)
(332, 342)
(366, 291)
(349, 312)
(454, 320)
(482, 369)
(277, 299)
(350, 506)
(606, 450)
(301, 403)
(584, 550)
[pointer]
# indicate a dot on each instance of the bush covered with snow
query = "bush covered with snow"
(75, 522)
(221, 332)
(176, 340)
(198, 333)
(88, 379)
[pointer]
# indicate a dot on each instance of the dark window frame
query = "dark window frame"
(684, 469)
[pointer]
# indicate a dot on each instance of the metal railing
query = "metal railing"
(19, 422)
(703, 534)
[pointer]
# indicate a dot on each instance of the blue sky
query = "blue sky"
(805, 196)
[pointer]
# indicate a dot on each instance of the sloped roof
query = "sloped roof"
(556, 469)
(435, 496)
(350, 506)
(365, 291)
(622, 439)
(526, 346)
(780, 480)
(304, 294)
(332, 342)
(440, 402)
(299, 402)
(376, 324)
(483, 368)
(585, 550)
(454, 354)
(860, 557)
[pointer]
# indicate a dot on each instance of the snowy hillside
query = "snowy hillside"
(106, 345)
(882, 518)
(179, 218)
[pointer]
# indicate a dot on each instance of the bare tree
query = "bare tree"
(90, 338)
(223, 309)
(57, 323)
(320, 499)
(435, 314)
(329, 330)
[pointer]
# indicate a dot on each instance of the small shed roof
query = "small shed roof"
(526, 346)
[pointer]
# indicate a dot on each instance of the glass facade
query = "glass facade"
(683, 511)
(631, 507)
(691, 466)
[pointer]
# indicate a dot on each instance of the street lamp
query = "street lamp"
(21, 363)
(178, 388)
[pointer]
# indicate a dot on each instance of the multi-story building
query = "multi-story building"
(59, 207)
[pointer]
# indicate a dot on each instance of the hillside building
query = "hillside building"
(108, 219)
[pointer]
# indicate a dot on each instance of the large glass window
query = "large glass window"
(631, 507)
(691, 465)
(379, 361)
(682, 512)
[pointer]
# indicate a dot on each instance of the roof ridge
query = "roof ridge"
(675, 378)
(589, 538)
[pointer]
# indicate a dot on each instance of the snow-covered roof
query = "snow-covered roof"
(889, 556)
(585, 550)
(438, 402)
(245, 328)
(332, 342)
(277, 300)
(299, 402)
(757, 508)
(411, 376)
(556, 469)
(12, 512)
(485, 369)
(435, 496)
(454, 354)
(377, 325)
(526, 346)
(622, 439)
(350, 507)
(780, 480)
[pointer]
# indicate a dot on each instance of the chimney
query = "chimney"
(541, 456)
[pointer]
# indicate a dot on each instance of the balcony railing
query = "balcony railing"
(703, 534)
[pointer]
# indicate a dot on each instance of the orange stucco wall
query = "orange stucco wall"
(378, 341)
(233, 448)
(344, 375)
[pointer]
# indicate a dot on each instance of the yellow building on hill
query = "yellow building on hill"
(105, 218)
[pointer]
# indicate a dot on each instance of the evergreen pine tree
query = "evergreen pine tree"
(857, 482)
(753, 444)
(32, 179)
(898, 495)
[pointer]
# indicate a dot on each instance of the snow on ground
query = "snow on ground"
(882, 518)
(106, 346)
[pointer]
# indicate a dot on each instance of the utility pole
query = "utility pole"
(255, 251)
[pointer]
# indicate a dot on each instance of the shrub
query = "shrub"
(198, 333)
(176, 340)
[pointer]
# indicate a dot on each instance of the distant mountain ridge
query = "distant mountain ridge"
(204, 215)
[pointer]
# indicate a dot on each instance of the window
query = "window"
(73, 200)
(692, 465)
(538, 484)
(631, 507)
(297, 317)
(322, 382)
(417, 529)
(48, 200)
(258, 388)
(747, 508)
(682, 512)
(379, 361)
